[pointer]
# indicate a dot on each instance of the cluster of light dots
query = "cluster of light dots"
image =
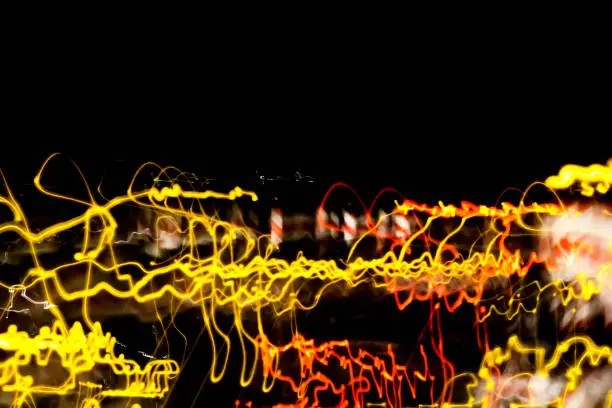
(256, 281)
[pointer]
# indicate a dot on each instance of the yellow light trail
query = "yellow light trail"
(255, 280)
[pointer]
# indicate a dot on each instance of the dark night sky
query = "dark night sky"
(447, 135)
(449, 143)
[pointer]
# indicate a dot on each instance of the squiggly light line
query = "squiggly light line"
(595, 177)
(252, 280)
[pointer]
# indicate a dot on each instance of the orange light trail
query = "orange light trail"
(254, 280)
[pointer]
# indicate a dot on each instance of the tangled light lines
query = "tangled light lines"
(198, 261)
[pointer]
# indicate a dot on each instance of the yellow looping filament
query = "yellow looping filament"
(595, 177)
(235, 280)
